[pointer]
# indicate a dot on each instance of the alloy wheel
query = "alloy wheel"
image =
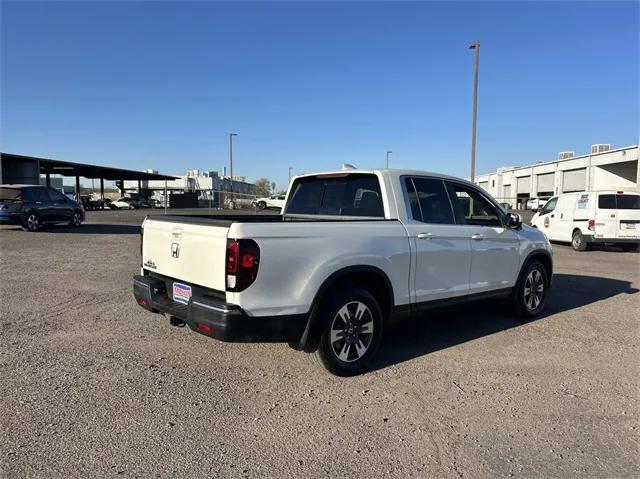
(76, 219)
(33, 222)
(351, 331)
(533, 290)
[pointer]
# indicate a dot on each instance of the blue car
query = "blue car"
(33, 206)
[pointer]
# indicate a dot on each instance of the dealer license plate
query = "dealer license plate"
(181, 293)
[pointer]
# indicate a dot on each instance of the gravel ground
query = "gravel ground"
(94, 386)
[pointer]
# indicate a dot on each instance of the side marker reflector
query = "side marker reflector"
(203, 327)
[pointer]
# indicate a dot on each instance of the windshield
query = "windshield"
(337, 195)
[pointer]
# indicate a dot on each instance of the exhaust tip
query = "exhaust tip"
(177, 322)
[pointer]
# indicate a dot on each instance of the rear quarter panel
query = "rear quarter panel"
(297, 257)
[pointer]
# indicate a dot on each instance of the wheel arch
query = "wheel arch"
(369, 277)
(540, 255)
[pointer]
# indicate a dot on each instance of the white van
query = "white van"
(592, 217)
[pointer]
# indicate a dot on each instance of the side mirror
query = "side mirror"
(514, 220)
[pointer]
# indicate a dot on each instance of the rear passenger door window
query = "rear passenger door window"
(472, 208)
(38, 195)
(429, 201)
(55, 195)
(337, 195)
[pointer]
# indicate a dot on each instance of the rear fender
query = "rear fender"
(315, 324)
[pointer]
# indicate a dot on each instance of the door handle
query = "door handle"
(613, 216)
(425, 236)
(553, 216)
(477, 237)
(561, 215)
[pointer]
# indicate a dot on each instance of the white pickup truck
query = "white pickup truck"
(351, 250)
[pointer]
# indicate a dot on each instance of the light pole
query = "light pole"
(476, 48)
(388, 153)
(290, 168)
(231, 135)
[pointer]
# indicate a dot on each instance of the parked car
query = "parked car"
(534, 204)
(32, 207)
(351, 251)
(108, 204)
(592, 217)
(273, 201)
(126, 204)
(90, 202)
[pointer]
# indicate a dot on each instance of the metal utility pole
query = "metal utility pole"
(231, 135)
(290, 168)
(476, 47)
(388, 153)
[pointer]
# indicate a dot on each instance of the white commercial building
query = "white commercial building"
(603, 169)
(206, 187)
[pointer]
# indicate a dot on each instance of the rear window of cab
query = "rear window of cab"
(351, 194)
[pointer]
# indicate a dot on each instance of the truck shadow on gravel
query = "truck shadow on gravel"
(447, 327)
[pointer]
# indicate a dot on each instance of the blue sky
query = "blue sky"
(313, 85)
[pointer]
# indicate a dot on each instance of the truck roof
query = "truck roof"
(389, 172)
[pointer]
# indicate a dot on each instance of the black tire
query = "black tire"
(261, 205)
(528, 298)
(577, 241)
(343, 357)
(630, 247)
(32, 222)
(76, 220)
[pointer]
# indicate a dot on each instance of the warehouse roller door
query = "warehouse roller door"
(545, 182)
(574, 180)
(484, 185)
(523, 185)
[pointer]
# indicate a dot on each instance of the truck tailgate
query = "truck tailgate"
(193, 253)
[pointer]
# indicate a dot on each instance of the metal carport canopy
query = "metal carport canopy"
(68, 168)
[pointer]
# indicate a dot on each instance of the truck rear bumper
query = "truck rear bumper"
(211, 317)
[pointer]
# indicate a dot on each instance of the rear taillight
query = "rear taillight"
(142, 234)
(591, 226)
(243, 258)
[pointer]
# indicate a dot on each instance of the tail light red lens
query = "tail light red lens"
(233, 251)
(243, 259)
(591, 225)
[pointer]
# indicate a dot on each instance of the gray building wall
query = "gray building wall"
(19, 172)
